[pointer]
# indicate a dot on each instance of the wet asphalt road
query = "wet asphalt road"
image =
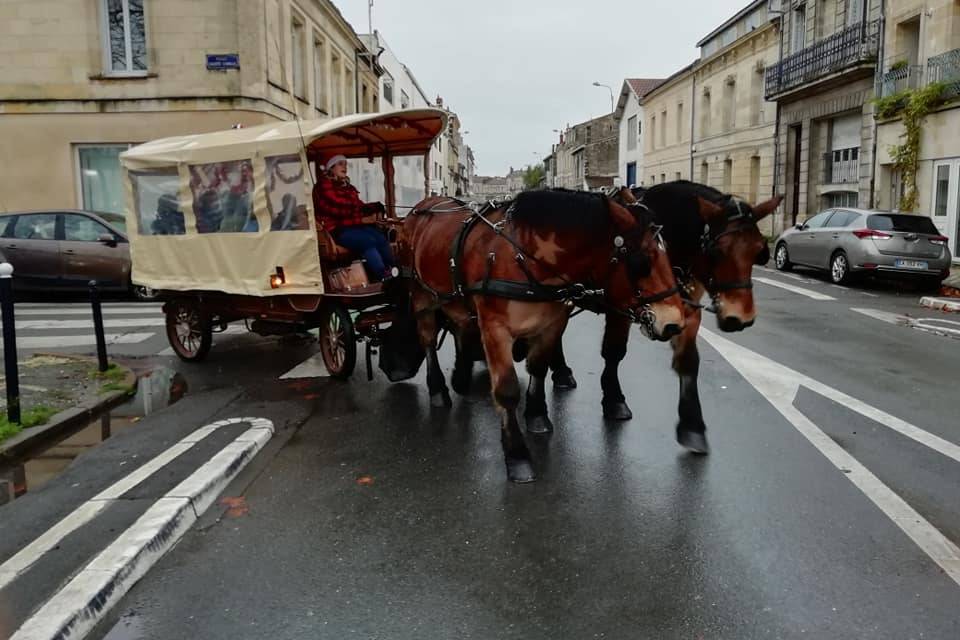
(380, 517)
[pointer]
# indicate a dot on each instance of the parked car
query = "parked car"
(852, 242)
(65, 250)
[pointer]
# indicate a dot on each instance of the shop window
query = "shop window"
(223, 197)
(157, 202)
(286, 195)
(101, 188)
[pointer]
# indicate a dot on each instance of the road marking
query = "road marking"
(50, 342)
(77, 608)
(116, 311)
(927, 325)
(779, 385)
(312, 367)
(789, 287)
(883, 316)
(113, 323)
(71, 305)
(26, 557)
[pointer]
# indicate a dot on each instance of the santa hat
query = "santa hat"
(334, 160)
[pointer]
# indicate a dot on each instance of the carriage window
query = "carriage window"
(156, 197)
(223, 197)
(286, 195)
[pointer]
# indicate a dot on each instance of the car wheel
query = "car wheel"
(781, 258)
(145, 294)
(839, 268)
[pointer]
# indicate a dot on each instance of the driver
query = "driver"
(349, 220)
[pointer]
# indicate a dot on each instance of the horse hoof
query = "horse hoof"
(539, 424)
(520, 471)
(439, 400)
(617, 411)
(461, 382)
(694, 442)
(564, 381)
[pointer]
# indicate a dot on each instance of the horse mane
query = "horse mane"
(675, 207)
(561, 209)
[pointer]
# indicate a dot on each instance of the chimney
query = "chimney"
(440, 102)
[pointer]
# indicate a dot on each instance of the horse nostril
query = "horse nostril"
(670, 331)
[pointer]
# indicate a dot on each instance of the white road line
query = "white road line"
(52, 342)
(883, 316)
(27, 556)
(73, 311)
(927, 325)
(73, 305)
(168, 352)
(88, 324)
(77, 608)
(779, 385)
(789, 287)
(312, 367)
(868, 294)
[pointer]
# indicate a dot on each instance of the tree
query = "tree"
(533, 176)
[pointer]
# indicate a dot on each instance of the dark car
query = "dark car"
(850, 242)
(65, 250)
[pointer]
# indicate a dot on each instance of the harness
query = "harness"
(710, 247)
(582, 294)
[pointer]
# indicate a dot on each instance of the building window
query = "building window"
(631, 133)
(843, 199)
(754, 178)
(319, 75)
(388, 91)
(299, 61)
(99, 177)
(799, 33)
(578, 165)
(705, 107)
(727, 176)
(663, 178)
(854, 12)
(350, 105)
(680, 122)
(663, 128)
(730, 105)
(404, 100)
(336, 91)
(704, 173)
(125, 36)
(677, 176)
(942, 190)
(653, 180)
(653, 128)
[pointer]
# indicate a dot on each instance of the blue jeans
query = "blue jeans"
(368, 242)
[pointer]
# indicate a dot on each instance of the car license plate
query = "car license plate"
(910, 264)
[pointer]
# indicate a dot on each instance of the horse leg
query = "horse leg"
(498, 346)
(427, 332)
(542, 348)
(562, 374)
(691, 430)
(463, 365)
(616, 333)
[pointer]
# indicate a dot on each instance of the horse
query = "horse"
(713, 243)
(512, 271)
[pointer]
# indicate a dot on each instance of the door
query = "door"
(830, 238)
(803, 244)
(85, 256)
(31, 246)
(946, 202)
(631, 174)
(796, 133)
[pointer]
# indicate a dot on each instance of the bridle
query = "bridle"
(710, 247)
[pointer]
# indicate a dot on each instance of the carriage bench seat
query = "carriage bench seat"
(330, 251)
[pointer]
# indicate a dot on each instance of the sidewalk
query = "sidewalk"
(949, 296)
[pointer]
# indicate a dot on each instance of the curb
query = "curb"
(83, 602)
(940, 304)
(59, 425)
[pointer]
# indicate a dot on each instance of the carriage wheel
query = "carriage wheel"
(190, 333)
(338, 342)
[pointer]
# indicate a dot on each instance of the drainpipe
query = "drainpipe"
(693, 119)
(876, 84)
(776, 126)
(356, 80)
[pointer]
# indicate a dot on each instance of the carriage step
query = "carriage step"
(275, 328)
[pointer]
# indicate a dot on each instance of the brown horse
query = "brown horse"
(513, 272)
(713, 243)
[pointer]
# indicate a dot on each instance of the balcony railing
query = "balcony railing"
(854, 45)
(901, 79)
(842, 166)
(946, 68)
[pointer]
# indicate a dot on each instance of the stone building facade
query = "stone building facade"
(824, 87)
(734, 126)
(922, 46)
(586, 156)
(84, 79)
(630, 121)
(669, 113)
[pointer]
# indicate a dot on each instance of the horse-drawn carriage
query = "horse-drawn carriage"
(222, 224)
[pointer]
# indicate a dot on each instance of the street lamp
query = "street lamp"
(610, 89)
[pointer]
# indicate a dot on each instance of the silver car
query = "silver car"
(851, 242)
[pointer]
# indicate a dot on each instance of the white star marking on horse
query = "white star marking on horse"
(547, 248)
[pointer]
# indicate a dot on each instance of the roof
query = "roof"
(687, 69)
(643, 86)
(740, 14)
(403, 132)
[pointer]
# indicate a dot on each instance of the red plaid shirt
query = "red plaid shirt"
(337, 204)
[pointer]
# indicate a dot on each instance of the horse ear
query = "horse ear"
(764, 209)
(708, 210)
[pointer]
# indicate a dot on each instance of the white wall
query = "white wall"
(625, 155)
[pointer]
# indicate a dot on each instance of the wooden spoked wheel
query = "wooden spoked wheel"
(189, 332)
(338, 341)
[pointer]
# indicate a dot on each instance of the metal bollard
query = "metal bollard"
(98, 326)
(9, 343)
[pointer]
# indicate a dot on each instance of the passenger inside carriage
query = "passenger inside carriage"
(349, 220)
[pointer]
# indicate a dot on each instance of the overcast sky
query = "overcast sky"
(514, 70)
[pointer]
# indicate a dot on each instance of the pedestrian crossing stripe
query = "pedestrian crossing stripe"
(107, 311)
(112, 323)
(52, 342)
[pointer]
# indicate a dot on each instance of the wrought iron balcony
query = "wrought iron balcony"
(901, 79)
(848, 48)
(842, 166)
(945, 68)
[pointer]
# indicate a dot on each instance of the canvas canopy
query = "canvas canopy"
(223, 211)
